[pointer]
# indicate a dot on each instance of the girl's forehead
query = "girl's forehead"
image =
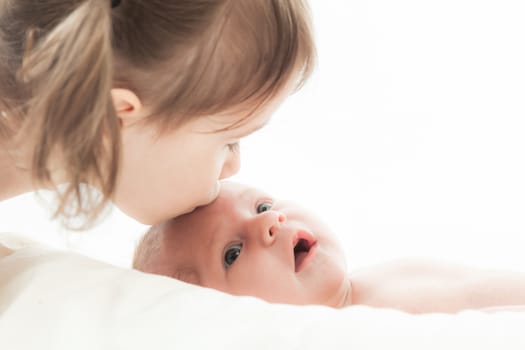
(249, 117)
(238, 123)
(236, 126)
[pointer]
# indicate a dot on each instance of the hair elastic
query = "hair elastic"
(115, 3)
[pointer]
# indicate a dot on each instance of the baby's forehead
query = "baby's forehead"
(237, 192)
(229, 188)
(233, 197)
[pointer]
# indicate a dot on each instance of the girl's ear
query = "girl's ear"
(128, 106)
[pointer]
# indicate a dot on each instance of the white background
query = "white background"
(408, 140)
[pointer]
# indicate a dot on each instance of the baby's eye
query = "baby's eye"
(265, 206)
(231, 254)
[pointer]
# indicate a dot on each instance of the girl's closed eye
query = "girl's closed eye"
(231, 253)
(234, 147)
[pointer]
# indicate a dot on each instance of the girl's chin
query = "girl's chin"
(214, 192)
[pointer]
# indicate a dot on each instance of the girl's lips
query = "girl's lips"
(303, 246)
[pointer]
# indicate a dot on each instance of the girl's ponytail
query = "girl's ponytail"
(67, 75)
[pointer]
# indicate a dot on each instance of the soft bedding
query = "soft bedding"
(51, 299)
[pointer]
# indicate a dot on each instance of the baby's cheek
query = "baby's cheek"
(265, 282)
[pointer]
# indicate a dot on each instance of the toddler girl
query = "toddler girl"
(144, 100)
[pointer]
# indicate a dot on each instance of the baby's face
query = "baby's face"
(248, 243)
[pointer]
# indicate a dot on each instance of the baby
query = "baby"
(247, 242)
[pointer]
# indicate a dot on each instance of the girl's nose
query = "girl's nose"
(267, 226)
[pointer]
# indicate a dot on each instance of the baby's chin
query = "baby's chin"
(338, 287)
(341, 297)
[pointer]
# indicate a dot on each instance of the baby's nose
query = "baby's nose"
(270, 224)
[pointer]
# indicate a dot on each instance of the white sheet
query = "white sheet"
(52, 299)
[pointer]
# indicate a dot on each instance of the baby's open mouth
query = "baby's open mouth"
(301, 250)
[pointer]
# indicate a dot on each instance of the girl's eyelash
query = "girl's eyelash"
(233, 147)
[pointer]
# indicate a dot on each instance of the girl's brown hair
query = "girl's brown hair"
(59, 60)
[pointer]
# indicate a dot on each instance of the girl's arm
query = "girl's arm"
(422, 286)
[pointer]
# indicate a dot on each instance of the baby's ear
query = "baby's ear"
(128, 106)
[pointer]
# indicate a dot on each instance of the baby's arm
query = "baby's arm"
(421, 286)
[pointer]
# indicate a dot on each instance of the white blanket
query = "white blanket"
(52, 299)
